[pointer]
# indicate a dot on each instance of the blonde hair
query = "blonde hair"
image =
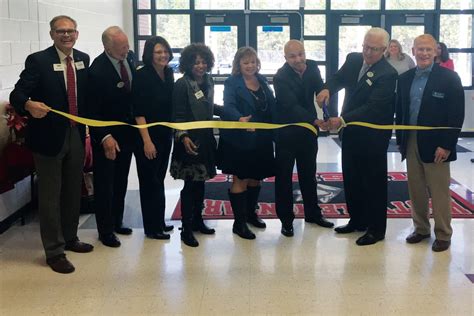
(241, 53)
(401, 54)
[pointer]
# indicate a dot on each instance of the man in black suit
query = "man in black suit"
(370, 83)
(56, 77)
(110, 77)
(429, 95)
(295, 85)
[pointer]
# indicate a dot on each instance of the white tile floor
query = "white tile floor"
(314, 273)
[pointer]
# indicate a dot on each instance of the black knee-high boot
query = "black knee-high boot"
(239, 207)
(198, 222)
(252, 198)
(187, 235)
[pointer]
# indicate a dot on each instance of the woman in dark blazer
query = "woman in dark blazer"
(246, 154)
(194, 151)
(152, 91)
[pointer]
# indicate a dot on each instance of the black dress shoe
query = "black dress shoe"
(78, 246)
(287, 230)
(110, 240)
(168, 228)
(188, 238)
(256, 222)
(203, 228)
(123, 230)
(321, 221)
(60, 264)
(368, 239)
(346, 229)
(159, 235)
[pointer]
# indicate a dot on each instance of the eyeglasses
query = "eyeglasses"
(65, 32)
(373, 49)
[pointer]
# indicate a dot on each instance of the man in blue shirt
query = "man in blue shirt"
(429, 95)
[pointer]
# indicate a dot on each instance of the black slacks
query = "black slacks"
(151, 176)
(300, 145)
(110, 186)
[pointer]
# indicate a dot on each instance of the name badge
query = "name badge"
(369, 82)
(438, 95)
(79, 65)
(199, 94)
(58, 67)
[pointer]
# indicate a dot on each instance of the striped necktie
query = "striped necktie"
(71, 88)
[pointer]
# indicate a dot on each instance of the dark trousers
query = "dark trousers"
(300, 146)
(110, 187)
(151, 175)
(59, 193)
(365, 187)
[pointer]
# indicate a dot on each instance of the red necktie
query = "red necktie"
(71, 88)
(124, 75)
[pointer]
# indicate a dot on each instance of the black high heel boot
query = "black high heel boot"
(187, 235)
(239, 207)
(252, 198)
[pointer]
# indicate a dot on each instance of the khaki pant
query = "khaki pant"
(425, 180)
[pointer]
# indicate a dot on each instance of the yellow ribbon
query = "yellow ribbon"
(237, 125)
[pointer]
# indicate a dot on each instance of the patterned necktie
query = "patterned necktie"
(363, 70)
(124, 75)
(71, 88)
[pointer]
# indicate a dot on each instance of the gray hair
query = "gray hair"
(380, 32)
(110, 33)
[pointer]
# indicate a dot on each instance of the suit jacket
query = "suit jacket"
(239, 102)
(371, 99)
(110, 101)
(39, 82)
(442, 104)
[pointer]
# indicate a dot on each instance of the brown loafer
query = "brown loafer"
(415, 238)
(78, 246)
(60, 264)
(440, 245)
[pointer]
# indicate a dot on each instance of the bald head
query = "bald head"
(115, 42)
(295, 55)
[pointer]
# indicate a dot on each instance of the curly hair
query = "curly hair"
(149, 49)
(242, 53)
(189, 55)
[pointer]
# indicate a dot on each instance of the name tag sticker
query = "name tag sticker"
(199, 94)
(79, 65)
(438, 95)
(369, 82)
(58, 67)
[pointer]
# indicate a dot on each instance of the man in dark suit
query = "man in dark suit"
(370, 82)
(295, 85)
(110, 77)
(429, 95)
(56, 77)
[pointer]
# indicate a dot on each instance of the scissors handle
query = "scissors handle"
(326, 115)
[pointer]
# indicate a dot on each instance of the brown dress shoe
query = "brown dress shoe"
(415, 238)
(60, 264)
(440, 245)
(78, 246)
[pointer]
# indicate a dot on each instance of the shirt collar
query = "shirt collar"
(113, 60)
(427, 70)
(63, 56)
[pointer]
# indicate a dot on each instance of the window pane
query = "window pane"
(315, 5)
(144, 24)
(457, 4)
(405, 34)
(222, 40)
(355, 4)
(141, 46)
(274, 4)
(166, 26)
(410, 4)
(456, 30)
(219, 4)
(315, 50)
(270, 42)
(144, 4)
(463, 66)
(314, 24)
(172, 4)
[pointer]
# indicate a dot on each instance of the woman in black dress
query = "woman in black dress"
(246, 154)
(152, 92)
(194, 151)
